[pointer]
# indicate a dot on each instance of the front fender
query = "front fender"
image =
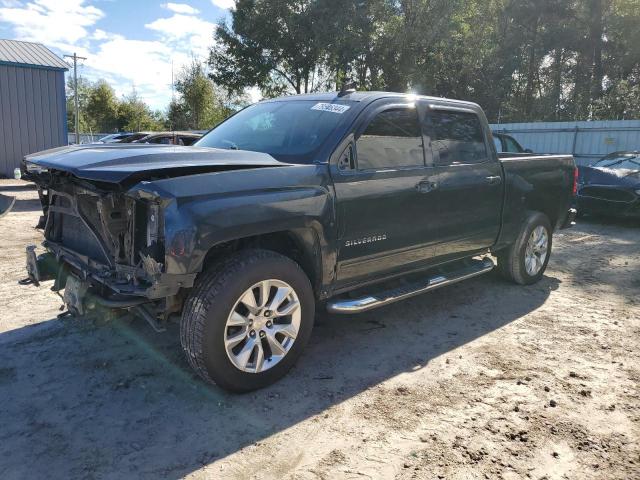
(202, 211)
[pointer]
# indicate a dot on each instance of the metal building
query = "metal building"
(586, 140)
(33, 111)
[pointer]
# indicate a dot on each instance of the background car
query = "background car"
(115, 138)
(170, 138)
(507, 144)
(611, 186)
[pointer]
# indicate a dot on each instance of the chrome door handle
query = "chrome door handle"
(426, 186)
(494, 179)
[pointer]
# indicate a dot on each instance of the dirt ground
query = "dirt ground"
(483, 379)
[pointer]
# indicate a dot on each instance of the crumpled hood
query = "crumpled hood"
(609, 176)
(117, 163)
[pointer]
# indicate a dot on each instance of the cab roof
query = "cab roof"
(368, 97)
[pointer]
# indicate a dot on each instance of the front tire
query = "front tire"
(526, 260)
(247, 320)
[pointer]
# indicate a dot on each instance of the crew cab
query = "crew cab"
(348, 201)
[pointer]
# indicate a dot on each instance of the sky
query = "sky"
(128, 43)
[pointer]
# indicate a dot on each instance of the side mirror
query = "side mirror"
(528, 150)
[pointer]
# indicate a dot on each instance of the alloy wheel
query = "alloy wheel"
(537, 250)
(262, 326)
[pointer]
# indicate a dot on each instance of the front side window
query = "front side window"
(161, 140)
(392, 139)
(457, 138)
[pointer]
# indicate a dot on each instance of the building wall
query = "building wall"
(33, 114)
(587, 141)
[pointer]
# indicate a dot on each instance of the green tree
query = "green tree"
(84, 90)
(135, 115)
(200, 105)
(270, 44)
(102, 108)
(177, 116)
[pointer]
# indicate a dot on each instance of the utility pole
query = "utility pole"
(75, 89)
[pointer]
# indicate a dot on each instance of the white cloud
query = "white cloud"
(57, 23)
(224, 4)
(181, 8)
(146, 65)
(187, 34)
(68, 26)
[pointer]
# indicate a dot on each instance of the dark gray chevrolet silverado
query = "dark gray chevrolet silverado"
(351, 200)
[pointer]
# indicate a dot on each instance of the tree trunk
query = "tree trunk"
(531, 73)
(557, 82)
(596, 31)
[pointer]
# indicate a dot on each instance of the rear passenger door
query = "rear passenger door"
(382, 190)
(470, 189)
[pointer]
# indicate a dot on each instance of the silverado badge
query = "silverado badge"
(363, 240)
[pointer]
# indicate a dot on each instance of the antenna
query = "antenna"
(349, 86)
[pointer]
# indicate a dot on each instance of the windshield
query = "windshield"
(282, 129)
(623, 162)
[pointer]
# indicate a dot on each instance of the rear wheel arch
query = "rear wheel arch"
(511, 260)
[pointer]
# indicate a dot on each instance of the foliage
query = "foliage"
(520, 59)
(102, 112)
(84, 90)
(102, 107)
(134, 115)
(271, 44)
(200, 105)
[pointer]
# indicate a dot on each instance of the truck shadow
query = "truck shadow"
(116, 400)
(27, 205)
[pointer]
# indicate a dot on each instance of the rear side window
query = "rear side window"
(512, 145)
(392, 139)
(457, 138)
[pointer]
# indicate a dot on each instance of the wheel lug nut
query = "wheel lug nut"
(269, 324)
(252, 333)
(262, 334)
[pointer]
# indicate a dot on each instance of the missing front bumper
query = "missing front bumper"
(59, 263)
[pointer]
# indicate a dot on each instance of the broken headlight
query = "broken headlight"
(35, 168)
(153, 224)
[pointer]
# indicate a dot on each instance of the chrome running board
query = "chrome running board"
(369, 302)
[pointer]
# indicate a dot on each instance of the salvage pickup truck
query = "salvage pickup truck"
(349, 200)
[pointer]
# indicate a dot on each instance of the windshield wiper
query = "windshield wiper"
(232, 146)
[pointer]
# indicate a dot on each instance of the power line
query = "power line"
(75, 88)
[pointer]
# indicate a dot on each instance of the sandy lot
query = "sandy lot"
(480, 380)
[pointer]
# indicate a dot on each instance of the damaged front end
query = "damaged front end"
(105, 247)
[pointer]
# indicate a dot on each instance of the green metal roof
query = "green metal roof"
(28, 54)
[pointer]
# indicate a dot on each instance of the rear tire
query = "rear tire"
(240, 298)
(525, 261)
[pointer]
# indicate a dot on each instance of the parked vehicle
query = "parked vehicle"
(507, 144)
(135, 137)
(171, 138)
(611, 186)
(354, 200)
(114, 138)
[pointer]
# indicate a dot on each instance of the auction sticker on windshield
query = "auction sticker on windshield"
(331, 107)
